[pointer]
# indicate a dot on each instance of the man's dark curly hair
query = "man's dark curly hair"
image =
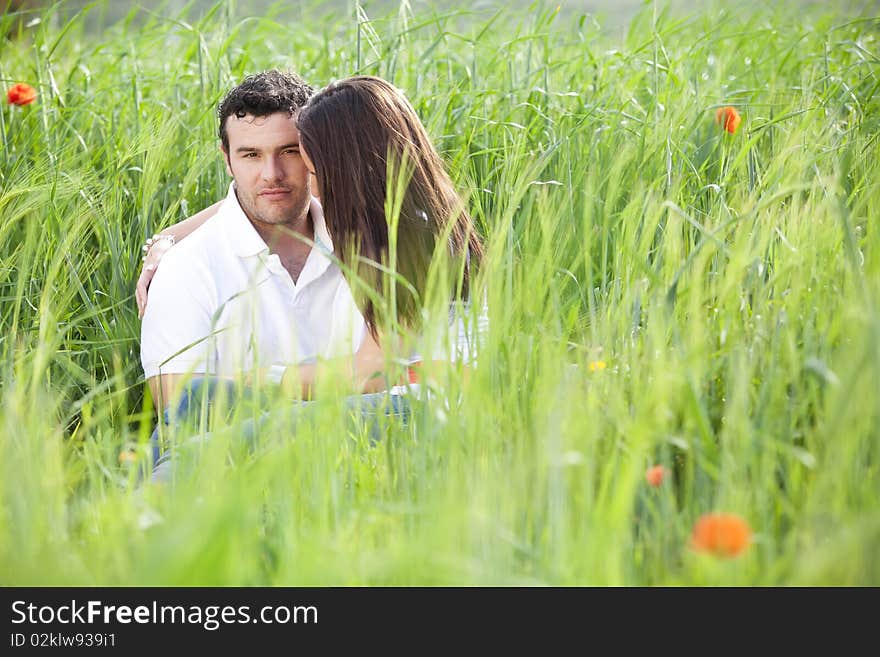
(263, 94)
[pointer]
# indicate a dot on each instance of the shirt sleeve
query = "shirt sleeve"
(176, 333)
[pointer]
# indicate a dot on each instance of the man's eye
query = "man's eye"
(250, 155)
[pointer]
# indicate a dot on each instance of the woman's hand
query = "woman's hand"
(151, 263)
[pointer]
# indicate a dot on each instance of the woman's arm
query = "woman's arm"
(365, 368)
(151, 262)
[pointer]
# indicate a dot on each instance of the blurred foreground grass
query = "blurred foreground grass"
(660, 292)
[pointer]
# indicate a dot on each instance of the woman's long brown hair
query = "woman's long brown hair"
(355, 131)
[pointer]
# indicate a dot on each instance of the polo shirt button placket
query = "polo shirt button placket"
(277, 269)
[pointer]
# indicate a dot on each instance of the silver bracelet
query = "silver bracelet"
(151, 241)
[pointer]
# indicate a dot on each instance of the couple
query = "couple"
(340, 220)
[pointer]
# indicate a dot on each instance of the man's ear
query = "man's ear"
(226, 161)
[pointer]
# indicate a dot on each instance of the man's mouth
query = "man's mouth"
(274, 193)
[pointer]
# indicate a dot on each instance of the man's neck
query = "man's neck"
(286, 241)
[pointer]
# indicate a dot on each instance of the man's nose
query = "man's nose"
(272, 169)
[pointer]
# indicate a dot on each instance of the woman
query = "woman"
(388, 202)
(402, 231)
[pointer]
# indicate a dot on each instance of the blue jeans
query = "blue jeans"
(203, 393)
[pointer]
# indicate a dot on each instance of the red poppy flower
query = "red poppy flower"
(655, 475)
(721, 534)
(728, 118)
(21, 94)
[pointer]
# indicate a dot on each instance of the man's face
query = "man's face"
(271, 180)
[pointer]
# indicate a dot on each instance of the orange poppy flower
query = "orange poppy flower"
(21, 94)
(655, 475)
(728, 118)
(721, 534)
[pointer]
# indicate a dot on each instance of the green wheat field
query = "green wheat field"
(660, 292)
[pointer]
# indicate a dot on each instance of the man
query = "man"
(254, 289)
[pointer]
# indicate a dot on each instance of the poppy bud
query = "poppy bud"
(655, 475)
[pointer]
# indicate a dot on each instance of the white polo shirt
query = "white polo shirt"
(221, 304)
